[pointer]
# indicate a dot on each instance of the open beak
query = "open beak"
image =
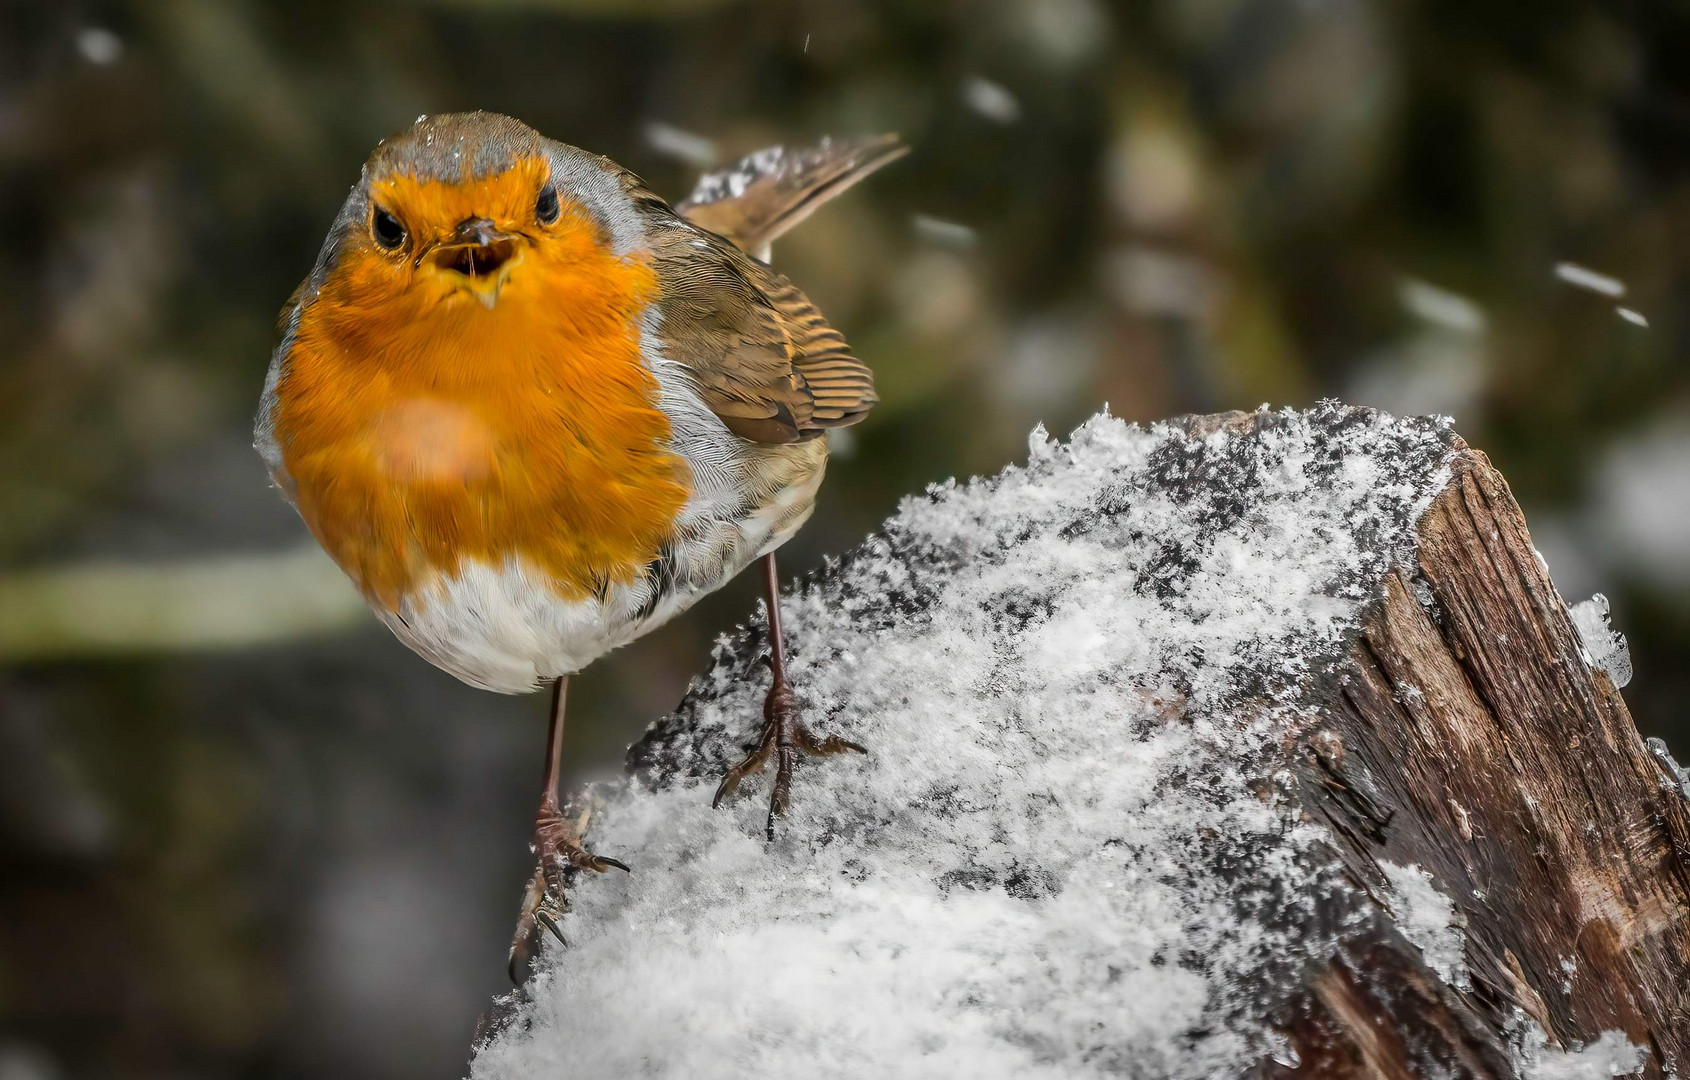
(480, 255)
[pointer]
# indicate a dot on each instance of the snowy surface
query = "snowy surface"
(1074, 850)
(1604, 646)
(1429, 920)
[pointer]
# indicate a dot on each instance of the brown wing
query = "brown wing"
(764, 359)
(841, 386)
(762, 195)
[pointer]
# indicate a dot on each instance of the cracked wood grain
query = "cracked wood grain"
(1465, 734)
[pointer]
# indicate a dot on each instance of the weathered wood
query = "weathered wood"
(1465, 734)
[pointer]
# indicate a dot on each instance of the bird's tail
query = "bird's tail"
(762, 195)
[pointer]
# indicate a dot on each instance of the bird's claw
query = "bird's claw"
(784, 737)
(753, 763)
(557, 843)
(545, 918)
(557, 846)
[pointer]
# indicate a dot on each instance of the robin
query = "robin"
(533, 411)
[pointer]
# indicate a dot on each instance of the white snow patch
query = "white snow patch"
(1073, 850)
(1441, 307)
(944, 233)
(1582, 277)
(1441, 367)
(1611, 1054)
(731, 182)
(99, 46)
(1641, 513)
(682, 145)
(992, 100)
(1604, 647)
(1147, 281)
(1429, 920)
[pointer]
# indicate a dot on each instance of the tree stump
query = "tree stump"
(1253, 744)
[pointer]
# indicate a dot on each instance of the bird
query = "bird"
(533, 411)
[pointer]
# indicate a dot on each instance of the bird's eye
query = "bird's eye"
(546, 208)
(387, 230)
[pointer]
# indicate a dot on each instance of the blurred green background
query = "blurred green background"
(244, 833)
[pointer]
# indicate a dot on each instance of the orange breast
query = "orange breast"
(421, 429)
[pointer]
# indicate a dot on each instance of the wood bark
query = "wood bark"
(1466, 734)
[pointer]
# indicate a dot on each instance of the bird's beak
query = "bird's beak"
(480, 256)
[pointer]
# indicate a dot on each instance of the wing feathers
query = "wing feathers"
(763, 358)
(756, 199)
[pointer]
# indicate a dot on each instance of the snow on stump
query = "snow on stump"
(1241, 745)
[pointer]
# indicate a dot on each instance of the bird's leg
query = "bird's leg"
(557, 842)
(557, 845)
(784, 734)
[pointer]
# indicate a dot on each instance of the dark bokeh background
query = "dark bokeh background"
(245, 833)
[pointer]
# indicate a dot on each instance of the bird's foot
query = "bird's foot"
(557, 845)
(784, 737)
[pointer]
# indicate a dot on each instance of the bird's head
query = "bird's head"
(471, 212)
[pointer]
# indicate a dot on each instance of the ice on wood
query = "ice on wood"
(1604, 646)
(1612, 1054)
(1075, 849)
